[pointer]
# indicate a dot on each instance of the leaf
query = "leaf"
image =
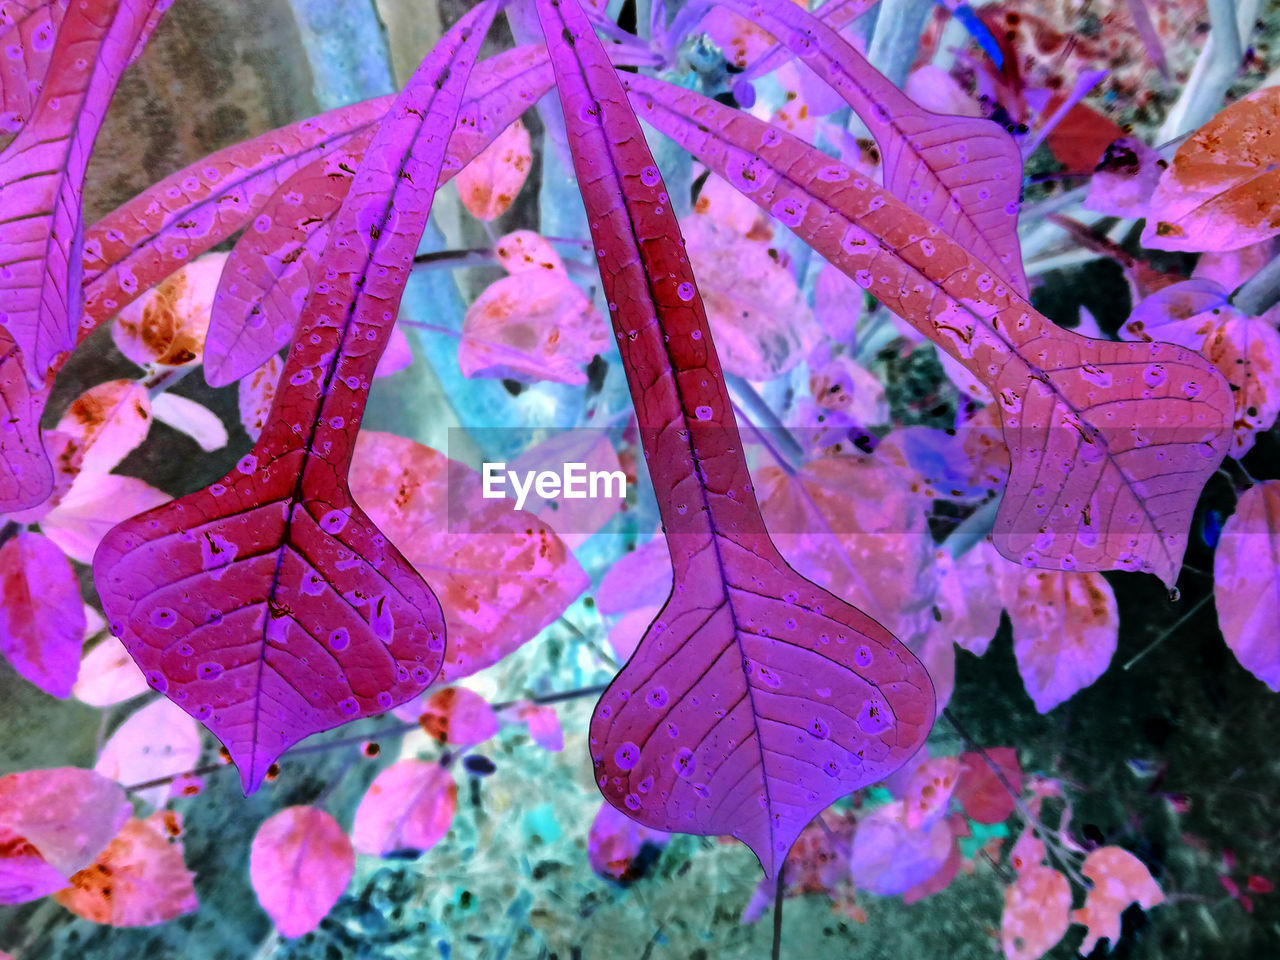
(523, 250)
(300, 863)
(1218, 192)
(409, 806)
(889, 857)
(1247, 352)
(195, 420)
(108, 675)
(41, 613)
(167, 324)
(159, 740)
(1035, 916)
(1124, 179)
(94, 504)
(1246, 582)
(398, 355)
(28, 29)
(640, 578)
(544, 725)
(257, 392)
(759, 317)
(268, 605)
(968, 609)
(274, 265)
(490, 183)
(1065, 629)
(620, 849)
(981, 793)
(929, 791)
(530, 326)
(42, 176)
(26, 476)
(54, 820)
(139, 880)
(698, 732)
(501, 574)
(107, 422)
(1123, 459)
(459, 716)
(962, 173)
(592, 452)
(1119, 879)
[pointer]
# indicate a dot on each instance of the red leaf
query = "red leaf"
(28, 29)
(698, 733)
(41, 613)
(981, 793)
(300, 862)
(139, 880)
(1110, 443)
(268, 605)
(409, 806)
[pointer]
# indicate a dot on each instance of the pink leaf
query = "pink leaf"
(1065, 628)
(268, 605)
(1123, 436)
(1036, 907)
(27, 32)
(108, 675)
(257, 392)
(969, 610)
(1246, 350)
(981, 793)
(95, 503)
(593, 454)
(1124, 179)
(523, 250)
(889, 857)
(41, 613)
(107, 422)
(139, 880)
(501, 574)
(640, 578)
(274, 265)
(698, 732)
(300, 862)
(544, 725)
(409, 806)
(167, 324)
(53, 823)
(1119, 879)
(398, 355)
(615, 842)
(490, 183)
(195, 420)
(42, 175)
(1246, 582)
(157, 741)
(459, 716)
(929, 791)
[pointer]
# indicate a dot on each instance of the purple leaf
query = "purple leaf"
(41, 613)
(42, 175)
(26, 476)
(268, 605)
(1111, 443)
(273, 266)
(28, 29)
(962, 173)
(756, 698)
(836, 14)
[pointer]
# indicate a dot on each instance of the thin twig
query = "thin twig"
(1168, 633)
(777, 914)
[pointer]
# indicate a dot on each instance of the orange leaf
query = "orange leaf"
(1119, 879)
(489, 184)
(1036, 908)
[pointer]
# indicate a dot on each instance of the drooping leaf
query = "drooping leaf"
(968, 609)
(1218, 194)
(1110, 442)
(41, 613)
(159, 740)
(106, 423)
(501, 574)
(167, 325)
(409, 806)
(1124, 179)
(94, 504)
(108, 675)
(699, 732)
(194, 419)
(1119, 879)
(139, 880)
(1036, 913)
(1246, 582)
(42, 176)
(54, 822)
(274, 264)
(1065, 629)
(268, 605)
(28, 29)
(300, 862)
(963, 174)
(257, 394)
(488, 185)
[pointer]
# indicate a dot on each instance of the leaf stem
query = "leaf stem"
(777, 913)
(1169, 632)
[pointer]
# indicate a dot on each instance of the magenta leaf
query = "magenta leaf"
(42, 175)
(756, 698)
(962, 173)
(268, 605)
(273, 266)
(299, 864)
(41, 613)
(28, 29)
(26, 476)
(1110, 443)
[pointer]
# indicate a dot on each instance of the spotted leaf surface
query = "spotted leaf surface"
(268, 605)
(1110, 442)
(756, 698)
(26, 476)
(42, 176)
(28, 27)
